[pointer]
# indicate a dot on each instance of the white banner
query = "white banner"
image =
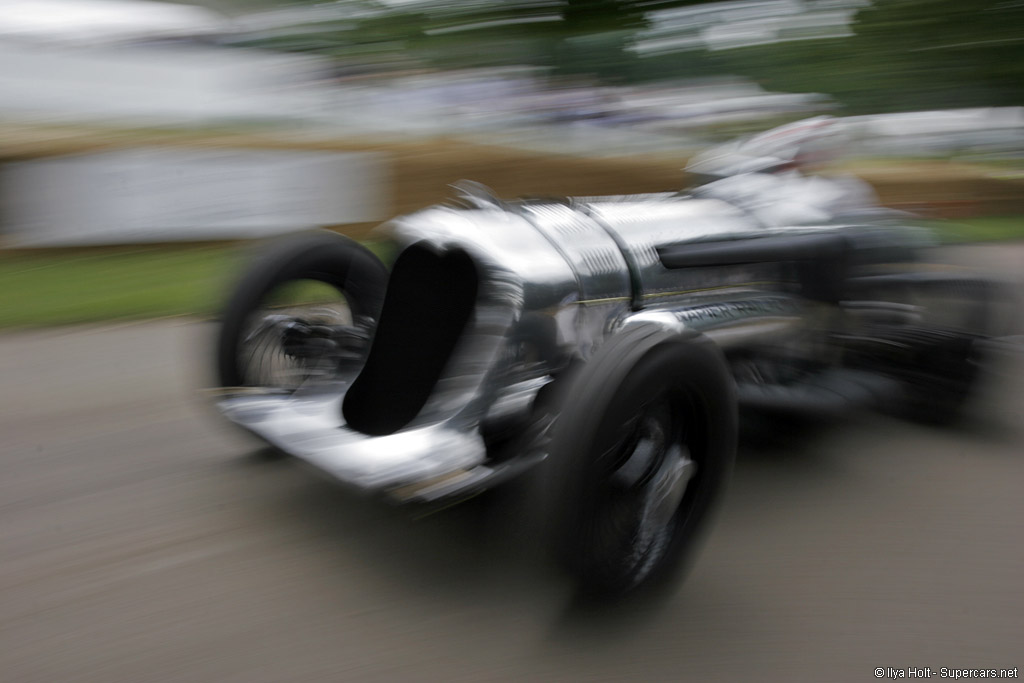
(166, 194)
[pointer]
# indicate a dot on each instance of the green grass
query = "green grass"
(43, 288)
(980, 229)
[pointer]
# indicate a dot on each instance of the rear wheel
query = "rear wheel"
(940, 376)
(641, 456)
(943, 374)
(305, 310)
(934, 350)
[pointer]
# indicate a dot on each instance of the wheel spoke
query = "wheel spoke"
(650, 469)
(668, 486)
(286, 345)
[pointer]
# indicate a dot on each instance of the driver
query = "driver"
(775, 175)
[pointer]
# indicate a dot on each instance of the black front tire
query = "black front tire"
(640, 455)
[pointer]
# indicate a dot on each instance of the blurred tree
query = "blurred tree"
(904, 55)
(944, 53)
(589, 37)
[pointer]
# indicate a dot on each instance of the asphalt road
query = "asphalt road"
(141, 539)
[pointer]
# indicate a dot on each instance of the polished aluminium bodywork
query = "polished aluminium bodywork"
(555, 279)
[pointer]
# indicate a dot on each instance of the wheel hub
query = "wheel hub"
(649, 484)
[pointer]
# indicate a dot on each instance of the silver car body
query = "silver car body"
(555, 279)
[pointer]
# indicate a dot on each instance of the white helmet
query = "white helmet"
(809, 142)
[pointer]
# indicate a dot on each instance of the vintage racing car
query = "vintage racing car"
(610, 342)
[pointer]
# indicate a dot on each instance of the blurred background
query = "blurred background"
(141, 143)
(133, 122)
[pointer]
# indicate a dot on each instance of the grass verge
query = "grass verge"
(65, 287)
(988, 229)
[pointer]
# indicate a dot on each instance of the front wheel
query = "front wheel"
(305, 310)
(641, 455)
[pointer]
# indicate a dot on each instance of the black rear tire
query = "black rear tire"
(350, 268)
(941, 379)
(640, 455)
